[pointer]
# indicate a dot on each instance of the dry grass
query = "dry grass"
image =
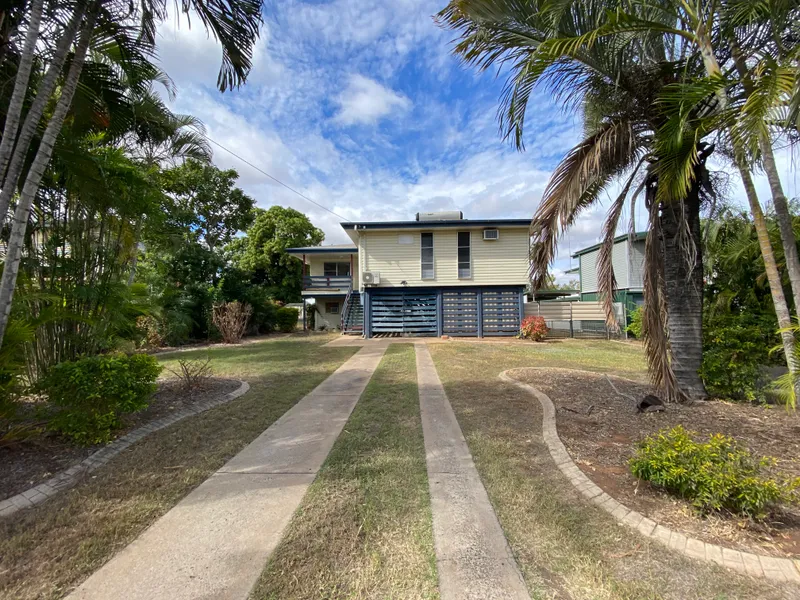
(48, 550)
(566, 547)
(364, 527)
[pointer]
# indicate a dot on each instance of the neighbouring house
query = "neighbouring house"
(439, 274)
(627, 259)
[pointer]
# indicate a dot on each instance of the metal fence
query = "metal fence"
(578, 319)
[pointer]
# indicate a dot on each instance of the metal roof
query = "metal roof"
(438, 224)
(332, 249)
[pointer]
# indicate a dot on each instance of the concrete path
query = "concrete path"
(472, 554)
(216, 541)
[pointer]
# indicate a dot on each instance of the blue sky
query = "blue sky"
(360, 105)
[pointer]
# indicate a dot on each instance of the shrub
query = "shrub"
(533, 328)
(713, 476)
(92, 393)
(286, 317)
(193, 373)
(231, 318)
(635, 328)
(735, 347)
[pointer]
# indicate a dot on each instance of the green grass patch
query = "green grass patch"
(364, 528)
(48, 550)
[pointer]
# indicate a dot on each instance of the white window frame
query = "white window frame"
(458, 252)
(329, 305)
(422, 262)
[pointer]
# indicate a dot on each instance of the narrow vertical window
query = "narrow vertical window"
(426, 245)
(464, 259)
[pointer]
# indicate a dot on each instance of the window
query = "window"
(332, 308)
(464, 262)
(334, 269)
(426, 245)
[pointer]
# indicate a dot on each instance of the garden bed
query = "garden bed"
(35, 460)
(600, 428)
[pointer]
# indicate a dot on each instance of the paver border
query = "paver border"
(769, 567)
(69, 477)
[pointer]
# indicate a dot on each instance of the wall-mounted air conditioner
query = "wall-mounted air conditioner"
(491, 234)
(371, 277)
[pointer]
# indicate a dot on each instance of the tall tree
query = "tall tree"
(96, 23)
(617, 84)
(263, 251)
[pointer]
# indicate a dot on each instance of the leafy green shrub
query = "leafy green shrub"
(635, 328)
(286, 317)
(735, 347)
(533, 328)
(92, 393)
(713, 476)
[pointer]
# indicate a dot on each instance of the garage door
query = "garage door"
(403, 312)
(500, 312)
(460, 313)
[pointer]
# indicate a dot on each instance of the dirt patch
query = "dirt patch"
(600, 428)
(35, 460)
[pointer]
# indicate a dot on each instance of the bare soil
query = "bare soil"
(36, 459)
(600, 428)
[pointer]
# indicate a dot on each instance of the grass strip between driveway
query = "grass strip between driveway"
(48, 550)
(364, 528)
(566, 547)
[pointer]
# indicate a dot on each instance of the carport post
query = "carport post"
(367, 315)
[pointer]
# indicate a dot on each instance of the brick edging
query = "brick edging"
(69, 477)
(770, 567)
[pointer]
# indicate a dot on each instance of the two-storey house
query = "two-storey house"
(439, 274)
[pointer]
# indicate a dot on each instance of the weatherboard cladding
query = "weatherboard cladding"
(621, 260)
(500, 262)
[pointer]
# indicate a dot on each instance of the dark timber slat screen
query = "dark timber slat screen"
(500, 313)
(460, 313)
(404, 312)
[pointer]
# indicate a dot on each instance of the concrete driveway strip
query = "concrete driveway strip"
(215, 542)
(472, 554)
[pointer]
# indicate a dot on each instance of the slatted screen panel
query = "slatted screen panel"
(460, 313)
(404, 312)
(500, 313)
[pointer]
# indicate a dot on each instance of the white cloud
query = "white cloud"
(365, 101)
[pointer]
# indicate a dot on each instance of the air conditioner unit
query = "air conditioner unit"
(371, 277)
(491, 234)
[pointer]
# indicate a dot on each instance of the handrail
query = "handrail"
(327, 281)
(345, 306)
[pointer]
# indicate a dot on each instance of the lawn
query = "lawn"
(364, 528)
(46, 551)
(566, 547)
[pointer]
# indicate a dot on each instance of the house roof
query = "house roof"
(637, 237)
(437, 224)
(332, 249)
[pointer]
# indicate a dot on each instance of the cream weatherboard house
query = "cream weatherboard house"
(439, 274)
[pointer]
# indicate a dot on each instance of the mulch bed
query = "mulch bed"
(600, 428)
(35, 460)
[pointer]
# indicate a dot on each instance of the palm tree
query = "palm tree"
(616, 81)
(235, 23)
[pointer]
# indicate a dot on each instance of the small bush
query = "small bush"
(193, 373)
(635, 328)
(92, 393)
(231, 318)
(713, 476)
(533, 328)
(286, 317)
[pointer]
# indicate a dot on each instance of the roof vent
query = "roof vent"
(446, 215)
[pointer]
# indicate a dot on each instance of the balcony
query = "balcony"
(327, 282)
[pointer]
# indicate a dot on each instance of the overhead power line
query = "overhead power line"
(276, 180)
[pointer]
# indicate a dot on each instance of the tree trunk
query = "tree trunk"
(21, 80)
(784, 219)
(22, 213)
(683, 289)
(46, 87)
(771, 267)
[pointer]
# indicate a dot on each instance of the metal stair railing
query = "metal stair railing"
(345, 309)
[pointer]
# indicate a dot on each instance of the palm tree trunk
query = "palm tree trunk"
(771, 267)
(40, 162)
(784, 219)
(683, 289)
(20, 86)
(46, 87)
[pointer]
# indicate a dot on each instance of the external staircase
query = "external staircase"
(352, 314)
